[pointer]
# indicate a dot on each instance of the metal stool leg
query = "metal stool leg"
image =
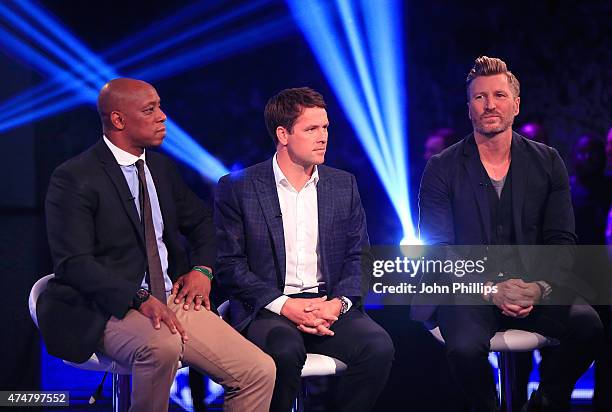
(121, 393)
(507, 381)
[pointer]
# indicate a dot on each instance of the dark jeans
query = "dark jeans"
(358, 341)
(467, 331)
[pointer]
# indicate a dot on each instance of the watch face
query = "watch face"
(142, 294)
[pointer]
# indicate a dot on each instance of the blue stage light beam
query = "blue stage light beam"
(72, 43)
(180, 145)
(384, 31)
(210, 52)
(195, 156)
(189, 34)
(161, 28)
(349, 22)
(315, 20)
(55, 87)
(232, 44)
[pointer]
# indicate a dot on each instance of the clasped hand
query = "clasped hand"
(516, 298)
(314, 316)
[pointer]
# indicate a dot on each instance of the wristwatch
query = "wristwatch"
(345, 304)
(545, 289)
(141, 297)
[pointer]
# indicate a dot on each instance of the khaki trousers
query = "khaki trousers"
(213, 348)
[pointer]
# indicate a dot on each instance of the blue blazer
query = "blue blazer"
(250, 240)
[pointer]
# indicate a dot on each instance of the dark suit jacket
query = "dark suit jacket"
(454, 209)
(97, 245)
(250, 240)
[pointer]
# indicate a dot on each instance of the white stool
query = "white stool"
(315, 365)
(97, 362)
(504, 343)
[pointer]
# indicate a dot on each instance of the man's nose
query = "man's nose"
(162, 116)
(489, 104)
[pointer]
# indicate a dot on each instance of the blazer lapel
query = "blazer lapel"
(112, 169)
(474, 169)
(265, 188)
(520, 172)
(325, 206)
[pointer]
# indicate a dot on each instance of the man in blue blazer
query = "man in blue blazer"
(292, 241)
(498, 188)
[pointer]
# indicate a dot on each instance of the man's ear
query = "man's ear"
(517, 101)
(117, 120)
(282, 135)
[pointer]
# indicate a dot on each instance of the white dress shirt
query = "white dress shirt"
(127, 163)
(301, 232)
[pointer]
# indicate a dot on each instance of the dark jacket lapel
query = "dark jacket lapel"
(520, 172)
(325, 206)
(112, 169)
(265, 188)
(479, 187)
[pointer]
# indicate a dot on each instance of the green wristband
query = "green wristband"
(205, 271)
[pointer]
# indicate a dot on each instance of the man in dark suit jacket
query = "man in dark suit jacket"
(114, 217)
(292, 240)
(496, 187)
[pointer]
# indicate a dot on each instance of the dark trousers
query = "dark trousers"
(467, 331)
(358, 341)
(602, 399)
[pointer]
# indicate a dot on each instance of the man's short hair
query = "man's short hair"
(284, 108)
(490, 66)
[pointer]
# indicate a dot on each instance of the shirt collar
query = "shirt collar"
(281, 179)
(123, 158)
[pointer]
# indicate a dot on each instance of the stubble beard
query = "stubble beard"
(489, 131)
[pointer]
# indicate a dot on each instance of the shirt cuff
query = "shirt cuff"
(277, 304)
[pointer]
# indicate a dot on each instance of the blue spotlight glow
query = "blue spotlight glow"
(59, 85)
(188, 35)
(210, 52)
(354, 37)
(85, 82)
(382, 128)
(72, 43)
(319, 31)
(180, 145)
(161, 28)
(171, 66)
(384, 28)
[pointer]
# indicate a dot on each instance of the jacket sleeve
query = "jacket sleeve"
(358, 258)
(436, 225)
(70, 208)
(233, 271)
(195, 222)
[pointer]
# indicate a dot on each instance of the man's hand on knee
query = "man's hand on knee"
(192, 287)
(158, 312)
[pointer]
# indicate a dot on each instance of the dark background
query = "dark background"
(560, 51)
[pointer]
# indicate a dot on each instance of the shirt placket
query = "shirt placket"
(300, 236)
